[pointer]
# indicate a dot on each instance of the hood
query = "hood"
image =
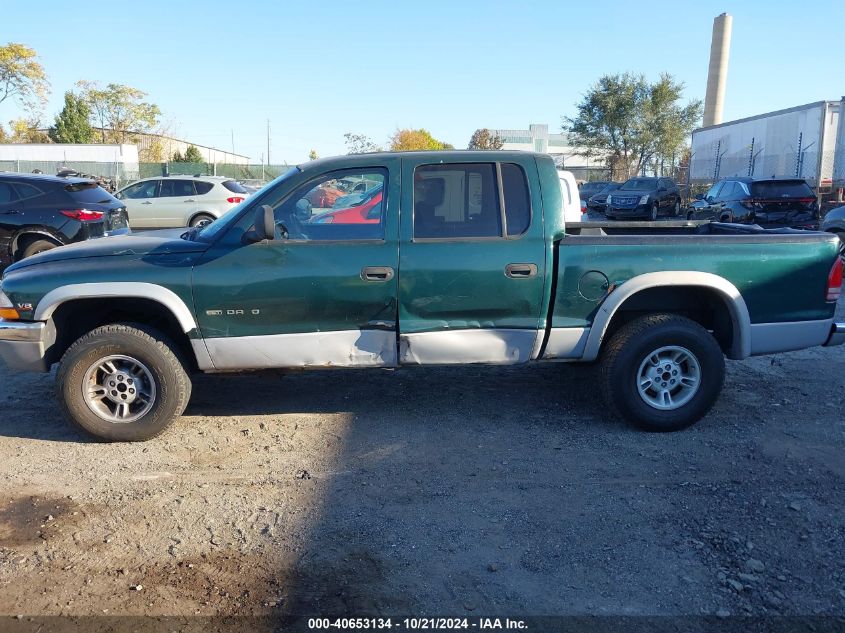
(164, 242)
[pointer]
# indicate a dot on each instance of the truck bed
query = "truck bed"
(673, 227)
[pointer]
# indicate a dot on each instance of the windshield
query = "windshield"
(639, 184)
(210, 231)
(611, 187)
(591, 187)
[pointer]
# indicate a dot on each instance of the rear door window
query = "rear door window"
(516, 198)
(7, 193)
(458, 200)
(177, 188)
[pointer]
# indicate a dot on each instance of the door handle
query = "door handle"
(377, 273)
(146, 202)
(521, 271)
(189, 201)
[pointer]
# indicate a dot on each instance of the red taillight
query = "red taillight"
(234, 200)
(834, 281)
(83, 215)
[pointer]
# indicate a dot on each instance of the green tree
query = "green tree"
(72, 124)
(359, 144)
(193, 155)
(26, 131)
(485, 139)
(631, 121)
(177, 157)
(118, 110)
(409, 140)
(22, 77)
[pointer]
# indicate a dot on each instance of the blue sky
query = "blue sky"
(320, 69)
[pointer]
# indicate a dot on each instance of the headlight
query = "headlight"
(644, 200)
(609, 199)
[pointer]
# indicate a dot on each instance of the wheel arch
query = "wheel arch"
(196, 214)
(736, 342)
(75, 309)
(23, 237)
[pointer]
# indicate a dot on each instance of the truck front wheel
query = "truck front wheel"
(662, 372)
(123, 383)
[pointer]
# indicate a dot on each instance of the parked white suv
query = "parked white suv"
(570, 197)
(180, 200)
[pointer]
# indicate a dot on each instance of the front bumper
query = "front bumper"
(24, 344)
(837, 335)
(641, 210)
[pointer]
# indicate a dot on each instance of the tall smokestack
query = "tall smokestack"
(717, 75)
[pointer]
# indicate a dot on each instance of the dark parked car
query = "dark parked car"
(39, 212)
(597, 203)
(587, 189)
(644, 197)
(834, 221)
(770, 202)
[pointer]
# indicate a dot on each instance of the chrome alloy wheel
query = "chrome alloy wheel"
(119, 389)
(669, 377)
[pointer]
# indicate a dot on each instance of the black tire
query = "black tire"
(201, 219)
(676, 208)
(147, 347)
(655, 212)
(628, 350)
(38, 246)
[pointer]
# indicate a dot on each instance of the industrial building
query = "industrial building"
(538, 139)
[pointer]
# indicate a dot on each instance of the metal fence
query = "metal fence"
(122, 174)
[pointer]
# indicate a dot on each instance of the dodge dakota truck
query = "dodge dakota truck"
(467, 260)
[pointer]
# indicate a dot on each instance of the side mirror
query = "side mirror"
(265, 225)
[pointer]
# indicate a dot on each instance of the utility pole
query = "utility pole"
(233, 142)
(268, 142)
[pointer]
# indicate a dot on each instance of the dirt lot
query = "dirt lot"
(432, 492)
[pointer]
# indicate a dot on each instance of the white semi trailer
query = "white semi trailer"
(803, 142)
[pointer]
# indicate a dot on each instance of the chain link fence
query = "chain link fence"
(122, 174)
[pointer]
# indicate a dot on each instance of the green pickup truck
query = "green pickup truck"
(430, 258)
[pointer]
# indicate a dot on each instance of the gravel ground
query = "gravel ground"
(450, 491)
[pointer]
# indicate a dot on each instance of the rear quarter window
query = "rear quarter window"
(202, 187)
(234, 186)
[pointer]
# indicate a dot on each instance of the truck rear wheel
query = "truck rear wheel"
(662, 372)
(123, 383)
